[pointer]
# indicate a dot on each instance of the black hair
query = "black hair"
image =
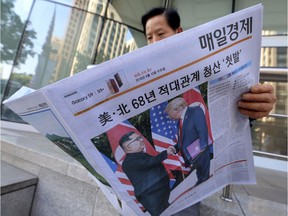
(172, 17)
(125, 138)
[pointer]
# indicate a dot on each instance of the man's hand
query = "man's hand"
(258, 102)
(171, 150)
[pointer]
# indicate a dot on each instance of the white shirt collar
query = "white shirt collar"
(183, 113)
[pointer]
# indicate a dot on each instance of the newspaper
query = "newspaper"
(209, 66)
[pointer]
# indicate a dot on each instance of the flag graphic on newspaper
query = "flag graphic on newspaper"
(164, 132)
(193, 97)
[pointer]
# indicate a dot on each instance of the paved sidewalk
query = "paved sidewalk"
(267, 198)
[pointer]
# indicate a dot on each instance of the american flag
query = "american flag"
(164, 130)
(164, 134)
(193, 97)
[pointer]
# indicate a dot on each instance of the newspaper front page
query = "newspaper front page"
(199, 74)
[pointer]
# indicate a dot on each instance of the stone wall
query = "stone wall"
(64, 187)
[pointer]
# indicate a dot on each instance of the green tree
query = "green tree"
(11, 32)
(83, 60)
(22, 78)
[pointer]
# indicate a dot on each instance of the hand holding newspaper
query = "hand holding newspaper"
(113, 115)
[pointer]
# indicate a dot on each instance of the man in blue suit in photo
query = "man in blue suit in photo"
(192, 136)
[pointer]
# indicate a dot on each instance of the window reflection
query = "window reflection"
(62, 44)
(281, 106)
(116, 40)
(274, 57)
(269, 134)
(94, 6)
(274, 15)
(16, 44)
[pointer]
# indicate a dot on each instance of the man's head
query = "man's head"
(132, 143)
(160, 23)
(175, 108)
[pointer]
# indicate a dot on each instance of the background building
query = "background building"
(45, 41)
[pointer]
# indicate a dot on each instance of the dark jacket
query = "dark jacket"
(146, 172)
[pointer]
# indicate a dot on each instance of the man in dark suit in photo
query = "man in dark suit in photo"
(146, 173)
(192, 136)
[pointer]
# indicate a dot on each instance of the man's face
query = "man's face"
(135, 144)
(157, 28)
(175, 113)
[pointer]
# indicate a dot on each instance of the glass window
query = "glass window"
(281, 106)
(131, 11)
(111, 46)
(138, 36)
(274, 57)
(197, 12)
(274, 14)
(94, 6)
(269, 134)
(61, 45)
(13, 22)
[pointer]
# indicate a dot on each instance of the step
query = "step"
(17, 190)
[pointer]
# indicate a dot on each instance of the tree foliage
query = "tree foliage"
(11, 32)
(22, 78)
(83, 60)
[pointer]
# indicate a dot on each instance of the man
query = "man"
(192, 130)
(146, 173)
(160, 23)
